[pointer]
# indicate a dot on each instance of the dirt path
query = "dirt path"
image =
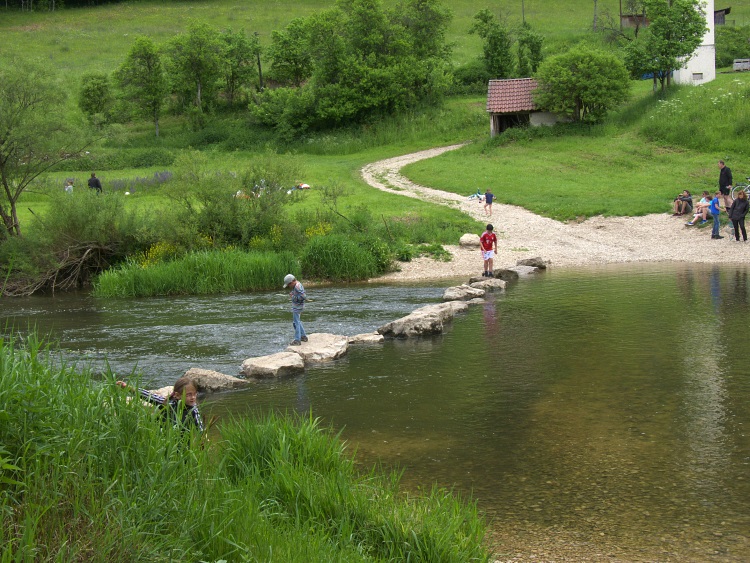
(522, 234)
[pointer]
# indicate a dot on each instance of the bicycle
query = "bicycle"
(744, 187)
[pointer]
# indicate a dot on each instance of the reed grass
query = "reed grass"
(198, 273)
(86, 474)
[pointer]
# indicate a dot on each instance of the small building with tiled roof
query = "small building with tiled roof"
(510, 103)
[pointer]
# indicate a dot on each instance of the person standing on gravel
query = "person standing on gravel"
(488, 197)
(488, 248)
(715, 210)
(725, 184)
(299, 297)
(737, 214)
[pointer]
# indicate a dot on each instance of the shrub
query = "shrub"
(198, 273)
(732, 43)
(337, 257)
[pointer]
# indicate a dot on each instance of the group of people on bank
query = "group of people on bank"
(714, 204)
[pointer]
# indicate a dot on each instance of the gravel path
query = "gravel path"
(522, 234)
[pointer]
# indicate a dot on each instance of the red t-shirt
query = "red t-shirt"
(487, 239)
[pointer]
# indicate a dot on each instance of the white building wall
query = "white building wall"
(702, 65)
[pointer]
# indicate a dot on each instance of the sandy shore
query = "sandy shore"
(522, 234)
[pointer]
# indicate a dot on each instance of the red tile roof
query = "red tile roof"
(511, 96)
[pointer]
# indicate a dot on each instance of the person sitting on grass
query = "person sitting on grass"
(683, 204)
(181, 408)
(701, 209)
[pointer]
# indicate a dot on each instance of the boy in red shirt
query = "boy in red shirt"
(488, 247)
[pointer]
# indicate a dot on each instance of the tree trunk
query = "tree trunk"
(198, 97)
(595, 16)
(156, 123)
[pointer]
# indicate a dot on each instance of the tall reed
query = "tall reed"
(203, 272)
(86, 474)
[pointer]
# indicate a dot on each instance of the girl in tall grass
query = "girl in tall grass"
(181, 408)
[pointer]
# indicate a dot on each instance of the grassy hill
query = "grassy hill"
(80, 40)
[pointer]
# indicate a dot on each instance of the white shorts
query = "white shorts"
(488, 254)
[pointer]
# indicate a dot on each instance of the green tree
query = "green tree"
(240, 53)
(95, 96)
(366, 61)
(675, 30)
(289, 52)
(33, 138)
(732, 43)
(584, 83)
(529, 48)
(195, 63)
(498, 44)
(142, 79)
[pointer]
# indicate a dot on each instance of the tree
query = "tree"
(240, 52)
(498, 44)
(584, 83)
(142, 79)
(675, 31)
(366, 61)
(529, 46)
(95, 96)
(33, 138)
(195, 63)
(289, 52)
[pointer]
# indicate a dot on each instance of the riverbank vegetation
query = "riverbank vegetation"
(86, 474)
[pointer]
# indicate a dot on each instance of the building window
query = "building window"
(697, 76)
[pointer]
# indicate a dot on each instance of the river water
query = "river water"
(607, 403)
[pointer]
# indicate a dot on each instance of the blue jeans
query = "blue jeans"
(299, 330)
(715, 230)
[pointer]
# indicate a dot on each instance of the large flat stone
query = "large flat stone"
(366, 338)
(425, 321)
(208, 380)
(276, 365)
(462, 292)
(321, 347)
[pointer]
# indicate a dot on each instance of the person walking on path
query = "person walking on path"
(725, 183)
(299, 297)
(488, 197)
(714, 210)
(737, 213)
(94, 183)
(488, 248)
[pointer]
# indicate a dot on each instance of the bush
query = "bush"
(197, 273)
(339, 258)
(119, 159)
(732, 43)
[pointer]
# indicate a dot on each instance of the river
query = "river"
(606, 403)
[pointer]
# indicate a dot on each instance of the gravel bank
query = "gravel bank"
(522, 234)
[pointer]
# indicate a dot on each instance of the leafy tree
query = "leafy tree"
(498, 44)
(142, 79)
(195, 63)
(240, 53)
(291, 62)
(95, 96)
(426, 23)
(529, 46)
(33, 138)
(675, 31)
(365, 62)
(732, 43)
(584, 83)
